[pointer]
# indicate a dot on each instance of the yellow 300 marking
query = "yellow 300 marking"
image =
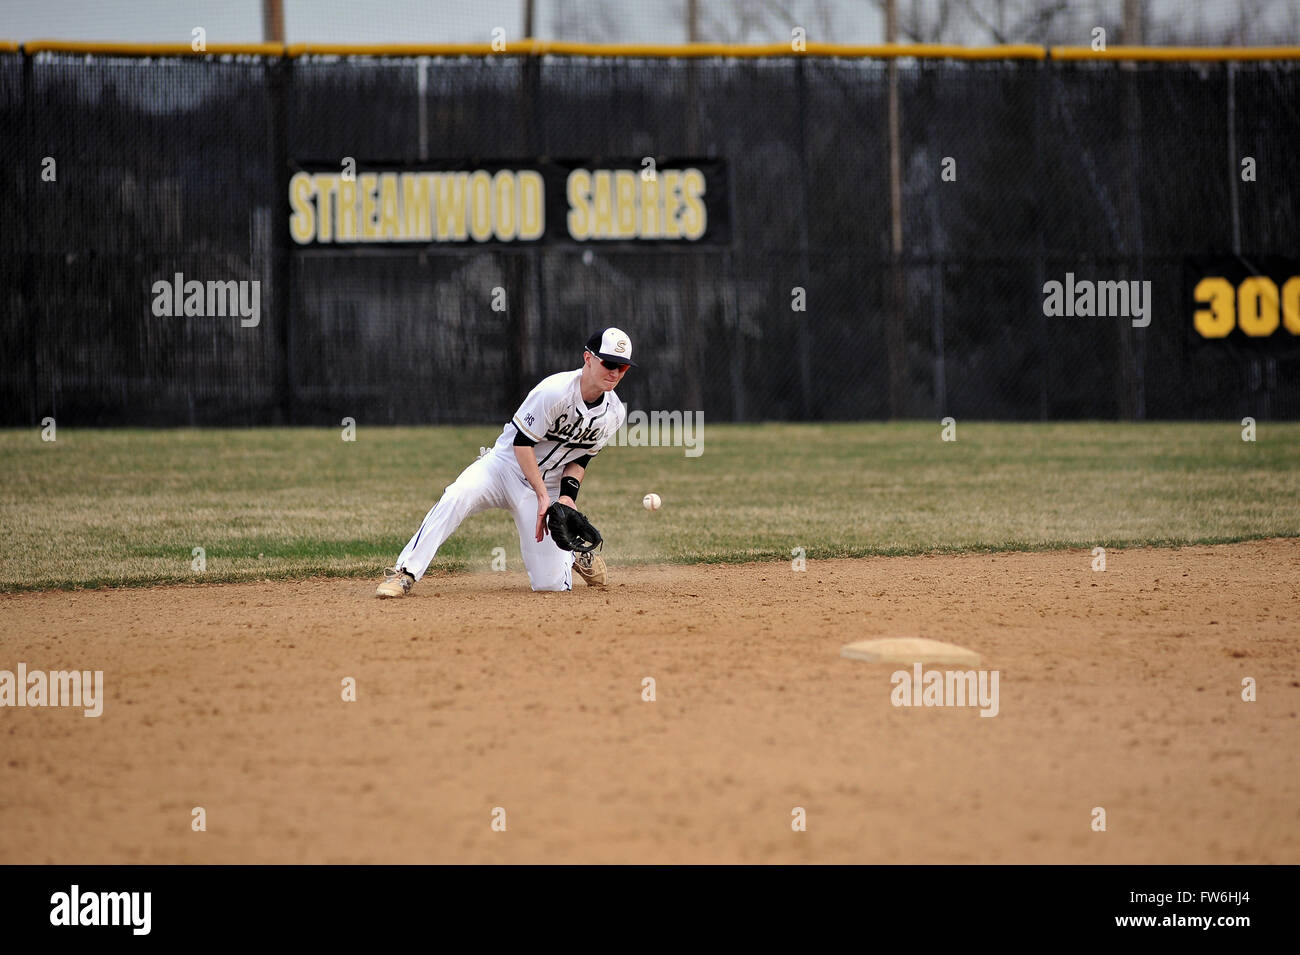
(1252, 306)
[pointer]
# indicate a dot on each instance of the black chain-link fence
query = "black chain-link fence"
(1013, 174)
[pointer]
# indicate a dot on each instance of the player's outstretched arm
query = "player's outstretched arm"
(527, 458)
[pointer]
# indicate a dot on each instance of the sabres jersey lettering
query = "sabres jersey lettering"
(574, 434)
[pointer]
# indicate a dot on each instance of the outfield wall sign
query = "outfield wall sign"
(678, 202)
(1244, 299)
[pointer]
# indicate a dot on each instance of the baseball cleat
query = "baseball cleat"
(397, 583)
(591, 567)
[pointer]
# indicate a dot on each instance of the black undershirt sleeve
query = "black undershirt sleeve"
(583, 461)
(522, 440)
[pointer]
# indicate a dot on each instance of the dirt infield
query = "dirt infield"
(1119, 689)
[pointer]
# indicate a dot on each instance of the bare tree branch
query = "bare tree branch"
(988, 25)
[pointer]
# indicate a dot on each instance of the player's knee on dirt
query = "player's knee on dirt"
(551, 585)
(551, 579)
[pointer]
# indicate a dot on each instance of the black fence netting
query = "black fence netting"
(124, 179)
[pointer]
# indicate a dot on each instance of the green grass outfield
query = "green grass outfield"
(128, 507)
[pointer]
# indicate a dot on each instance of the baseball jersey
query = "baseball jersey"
(565, 429)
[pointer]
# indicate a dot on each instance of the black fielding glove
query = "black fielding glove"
(570, 529)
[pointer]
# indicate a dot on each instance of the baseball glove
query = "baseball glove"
(570, 529)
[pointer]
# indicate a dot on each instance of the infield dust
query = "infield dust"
(1118, 689)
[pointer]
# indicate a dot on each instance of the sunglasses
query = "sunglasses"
(614, 366)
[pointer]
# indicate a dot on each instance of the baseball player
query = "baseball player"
(541, 455)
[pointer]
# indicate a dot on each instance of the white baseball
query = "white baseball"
(651, 502)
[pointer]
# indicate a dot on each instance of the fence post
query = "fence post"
(526, 268)
(1233, 168)
(801, 318)
(1131, 404)
(895, 339)
(29, 314)
(1045, 355)
(281, 77)
(692, 333)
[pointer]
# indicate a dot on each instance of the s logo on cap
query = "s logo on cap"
(621, 346)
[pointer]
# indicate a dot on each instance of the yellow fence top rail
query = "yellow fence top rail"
(152, 49)
(518, 48)
(1178, 54)
(531, 47)
(528, 47)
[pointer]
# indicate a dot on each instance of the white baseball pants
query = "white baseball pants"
(487, 483)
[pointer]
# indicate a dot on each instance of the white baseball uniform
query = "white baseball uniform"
(565, 429)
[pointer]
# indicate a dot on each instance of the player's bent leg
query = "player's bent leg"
(549, 567)
(471, 492)
(439, 524)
